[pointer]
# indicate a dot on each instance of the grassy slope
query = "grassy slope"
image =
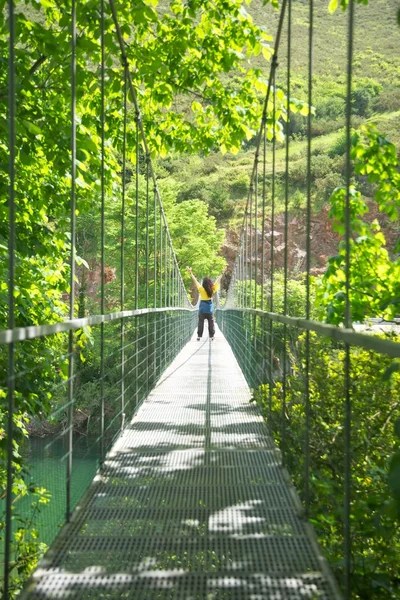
(376, 56)
(376, 40)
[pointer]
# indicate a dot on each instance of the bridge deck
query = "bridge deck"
(192, 503)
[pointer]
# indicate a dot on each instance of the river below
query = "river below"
(47, 465)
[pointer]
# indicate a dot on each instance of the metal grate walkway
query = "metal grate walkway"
(192, 503)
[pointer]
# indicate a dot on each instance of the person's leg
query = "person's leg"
(200, 326)
(211, 326)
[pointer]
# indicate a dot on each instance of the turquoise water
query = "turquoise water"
(47, 464)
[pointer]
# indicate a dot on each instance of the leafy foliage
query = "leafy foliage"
(375, 567)
(363, 95)
(187, 51)
(374, 275)
(197, 245)
(183, 56)
(334, 4)
(394, 469)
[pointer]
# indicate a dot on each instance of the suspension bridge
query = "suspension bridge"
(192, 498)
(192, 501)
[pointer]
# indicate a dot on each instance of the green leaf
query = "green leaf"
(81, 261)
(333, 6)
(32, 127)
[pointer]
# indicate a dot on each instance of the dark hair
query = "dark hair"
(208, 286)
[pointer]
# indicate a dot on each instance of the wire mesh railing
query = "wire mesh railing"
(328, 389)
(78, 359)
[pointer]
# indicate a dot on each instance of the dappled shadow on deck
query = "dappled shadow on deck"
(192, 503)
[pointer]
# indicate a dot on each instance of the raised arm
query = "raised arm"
(220, 277)
(189, 270)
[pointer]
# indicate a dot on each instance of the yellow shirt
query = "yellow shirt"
(203, 293)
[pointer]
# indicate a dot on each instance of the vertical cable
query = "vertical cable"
(264, 185)
(246, 246)
(176, 282)
(272, 238)
(308, 265)
(147, 265)
(72, 263)
(347, 423)
(170, 303)
(242, 270)
(177, 286)
(173, 275)
(155, 284)
(254, 320)
(171, 317)
(234, 291)
(255, 230)
(123, 245)
(251, 244)
(166, 273)
(165, 268)
(137, 319)
(161, 259)
(174, 279)
(172, 270)
(137, 119)
(240, 278)
(263, 321)
(11, 288)
(165, 294)
(155, 249)
(240, 288)
(147, 226)
(243, 265)
(102, 309)
(285, 294)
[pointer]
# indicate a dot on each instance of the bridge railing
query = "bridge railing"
(81, 345)
(307, 414)
(328, 392)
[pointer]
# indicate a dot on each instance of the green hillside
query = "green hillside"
(222, 180)
(376, 41)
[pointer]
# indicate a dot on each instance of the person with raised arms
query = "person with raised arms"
(206, 307)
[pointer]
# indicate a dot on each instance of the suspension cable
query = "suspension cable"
(137, 166)
(348, 320)
(286, 226)
(143, 137)
(102, 250)
(272, 242)
(72, 264)
(308, 266)
(264, 192)
(11, 289)
(125, 109)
